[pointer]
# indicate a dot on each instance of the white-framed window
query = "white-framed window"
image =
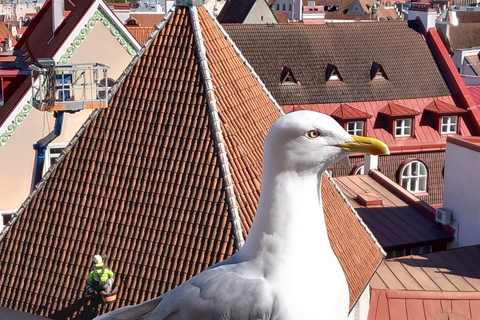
(52, 153)
(403, 127)
(449, 124)
(414, 177)
(5, 217)
(355, 127)
(360, 170)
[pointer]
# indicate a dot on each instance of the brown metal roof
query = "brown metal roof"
(156, 181)
(450, 270)
(394, 222)
(351, 47)
(440, 285)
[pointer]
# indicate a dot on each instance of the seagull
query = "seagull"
(286, 269)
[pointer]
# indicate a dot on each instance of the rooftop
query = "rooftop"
(167, 178)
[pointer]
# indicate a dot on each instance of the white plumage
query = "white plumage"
(287, 269)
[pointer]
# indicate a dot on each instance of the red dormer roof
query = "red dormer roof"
(347, 112)
(443, 108)
(395, 110)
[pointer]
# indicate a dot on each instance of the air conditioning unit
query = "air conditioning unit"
(443, 216)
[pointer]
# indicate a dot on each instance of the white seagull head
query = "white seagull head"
(309, 142)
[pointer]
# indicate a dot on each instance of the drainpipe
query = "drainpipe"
(41, 146)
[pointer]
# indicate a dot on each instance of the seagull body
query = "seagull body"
(286, 269)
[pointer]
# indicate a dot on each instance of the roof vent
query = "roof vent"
(377, 72)
(369, 200)
(332, 73)
(287, 77)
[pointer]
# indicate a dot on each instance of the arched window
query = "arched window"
(290, 7)
(413, 177)
(278, 7)
(284, 7)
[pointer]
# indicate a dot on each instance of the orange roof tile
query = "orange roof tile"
(141, 34)
(147, 19)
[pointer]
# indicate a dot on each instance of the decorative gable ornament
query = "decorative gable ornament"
(332, 73)
(287, 77)
(377, 72)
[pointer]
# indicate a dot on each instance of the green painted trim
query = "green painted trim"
(97, 16)
(15, 124)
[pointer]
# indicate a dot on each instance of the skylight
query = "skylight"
(287, 77)
(332, 73)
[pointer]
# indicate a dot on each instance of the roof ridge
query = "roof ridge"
(218, 138)
(245, 62)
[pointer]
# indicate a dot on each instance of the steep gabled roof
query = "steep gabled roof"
(309, 48)
(443, 108)
(164, 183)
(235, 11)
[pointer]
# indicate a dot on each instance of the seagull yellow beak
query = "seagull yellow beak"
(364, 145)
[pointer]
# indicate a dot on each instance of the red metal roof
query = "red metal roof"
(475, 93)
(426, 137)
(397, 110)
(346, 111)
(442, 107)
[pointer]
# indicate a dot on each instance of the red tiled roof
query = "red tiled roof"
(5, 33)
(346, 111)
(442, 107)
(144, 183)
(393, 109)
(141, 34)
(147, 19)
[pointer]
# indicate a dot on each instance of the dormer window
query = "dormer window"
(403, 127)
(377, 72)
(356, 127)
(443, 116)
(287, 77)
(351, 118)
(332, 73)
(449, 124)
(398, 119)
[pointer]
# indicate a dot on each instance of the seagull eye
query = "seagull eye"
(313, 134)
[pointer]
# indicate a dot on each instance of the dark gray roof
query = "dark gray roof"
(352, 47)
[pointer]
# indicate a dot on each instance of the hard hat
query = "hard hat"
(97, 258)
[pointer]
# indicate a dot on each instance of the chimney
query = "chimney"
(426, 14)
(58, 13)
(371, 163)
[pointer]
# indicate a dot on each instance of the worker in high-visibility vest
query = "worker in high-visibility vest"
(100, 277)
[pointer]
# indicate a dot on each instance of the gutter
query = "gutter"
(42, 144)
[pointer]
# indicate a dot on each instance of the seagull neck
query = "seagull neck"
(290, 209)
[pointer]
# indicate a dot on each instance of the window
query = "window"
(360, 170)
(377, 72)
(278, 7)
(355, 128)
(403, 127)
(290, 7)
(284, 7)
(413, 177)
(287, 77)
(52, 153)
(64, 89)
(449, 124)
(5, 217)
